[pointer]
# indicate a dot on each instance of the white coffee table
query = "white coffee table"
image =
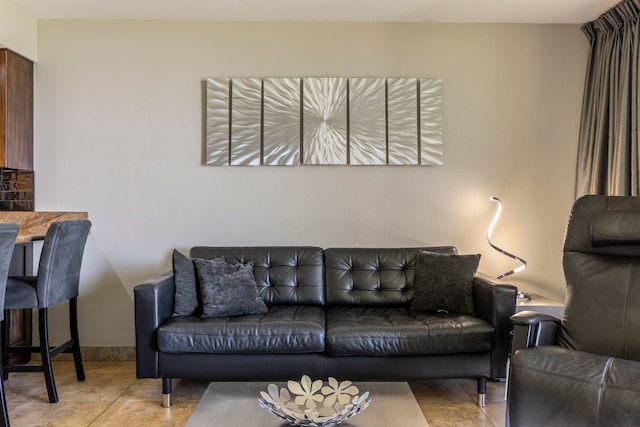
(235, 404)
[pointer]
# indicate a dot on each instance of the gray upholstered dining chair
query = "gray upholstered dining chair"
(57, 281)
(8, 234)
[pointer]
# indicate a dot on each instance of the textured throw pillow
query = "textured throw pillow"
(187, 299)
(444, 282)
(228, 289)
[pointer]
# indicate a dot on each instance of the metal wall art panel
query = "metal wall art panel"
(402, 121)
(324, 121)
(217, 122)
(246, 121)
(281, 121)
(367, 122)
(431, 122)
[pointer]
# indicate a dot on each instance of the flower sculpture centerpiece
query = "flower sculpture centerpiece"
(314, 403)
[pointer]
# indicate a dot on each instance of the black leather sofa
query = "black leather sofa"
(337, 312)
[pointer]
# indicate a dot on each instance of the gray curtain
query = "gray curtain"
(608, 147)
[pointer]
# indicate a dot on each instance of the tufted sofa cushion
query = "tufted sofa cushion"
(394, 331)
(284, 329)
(284, 274)
(372, 276)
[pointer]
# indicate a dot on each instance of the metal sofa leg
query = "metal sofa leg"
(166, 392)
(482, 392)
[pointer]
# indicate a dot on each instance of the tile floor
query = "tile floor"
(112, 396)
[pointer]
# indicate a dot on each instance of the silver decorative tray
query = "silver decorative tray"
(314, 403)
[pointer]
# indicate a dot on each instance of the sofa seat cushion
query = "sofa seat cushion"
(395, 331)
(283, 329)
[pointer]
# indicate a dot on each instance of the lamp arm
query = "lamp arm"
(502, 251)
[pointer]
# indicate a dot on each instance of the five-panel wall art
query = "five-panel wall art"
(323, 121)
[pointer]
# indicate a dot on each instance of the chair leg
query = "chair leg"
(73, 325)
(5, 342)
(43, 329)
(4, 416)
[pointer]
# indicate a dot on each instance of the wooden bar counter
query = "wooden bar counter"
(34, 225)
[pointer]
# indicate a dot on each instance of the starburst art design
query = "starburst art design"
(367, 121)
(288, 121)
(325, 121)
(281, 112)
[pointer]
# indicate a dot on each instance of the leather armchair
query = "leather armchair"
(584, 370)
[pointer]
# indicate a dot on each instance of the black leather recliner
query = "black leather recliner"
(585, 370)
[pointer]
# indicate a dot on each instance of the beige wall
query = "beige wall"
(18, 30)
(119, 133)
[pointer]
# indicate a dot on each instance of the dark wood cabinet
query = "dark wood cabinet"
(16, 162)
(16, 111)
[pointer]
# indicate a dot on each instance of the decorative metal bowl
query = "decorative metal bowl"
(313, 403)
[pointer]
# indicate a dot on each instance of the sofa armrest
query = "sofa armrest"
(533, 329)
(496, 303)
(153, 302)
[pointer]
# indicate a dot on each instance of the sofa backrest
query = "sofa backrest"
(373, 276)
(284, 274)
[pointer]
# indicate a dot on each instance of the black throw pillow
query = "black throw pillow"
(443, 283)
(228, 289)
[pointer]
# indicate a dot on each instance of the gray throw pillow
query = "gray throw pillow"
(187, 299)
(444, 282)
(228, 289)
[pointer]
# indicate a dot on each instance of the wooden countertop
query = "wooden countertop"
(34, 225)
